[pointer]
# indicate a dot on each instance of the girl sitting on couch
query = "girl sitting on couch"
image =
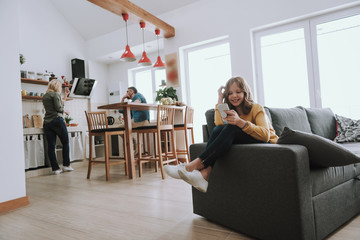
(246, 122)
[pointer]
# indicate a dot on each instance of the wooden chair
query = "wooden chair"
(98, 126)
(164, 125)
(188, 125)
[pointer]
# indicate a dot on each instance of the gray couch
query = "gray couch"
(270, 191)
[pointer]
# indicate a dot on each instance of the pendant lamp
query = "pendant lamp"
(159, 64)
(127, 56)
(144, 60)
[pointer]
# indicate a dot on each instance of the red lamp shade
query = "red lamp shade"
(128, 56)
(144, 60)
(159, 64)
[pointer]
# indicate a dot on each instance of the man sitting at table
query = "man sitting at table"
(138, 118)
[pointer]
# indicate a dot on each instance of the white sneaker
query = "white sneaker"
(57, 172)
(68, 169)
(172, 170)
(194, 178)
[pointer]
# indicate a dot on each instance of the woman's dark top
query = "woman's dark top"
(54, 106)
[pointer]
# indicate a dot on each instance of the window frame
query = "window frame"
(309, 24)
(132, 78)
(184, 53)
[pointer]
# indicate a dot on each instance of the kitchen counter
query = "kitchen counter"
(41, 130)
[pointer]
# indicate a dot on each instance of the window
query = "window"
(287, 71)
(147, 81)
(208, 66)
(339, 68)
(312, 63)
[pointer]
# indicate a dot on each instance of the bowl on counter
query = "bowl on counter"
(74, 124)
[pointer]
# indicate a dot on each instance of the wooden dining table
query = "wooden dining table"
(126, 107)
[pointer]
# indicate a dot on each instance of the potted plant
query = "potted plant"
(68, 120)
(166, 96)
(22, 59)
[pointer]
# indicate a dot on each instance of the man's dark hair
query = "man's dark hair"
(133, 88)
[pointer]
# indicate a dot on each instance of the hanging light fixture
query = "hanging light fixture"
(127, 56)
(144, 60)
(159, 64)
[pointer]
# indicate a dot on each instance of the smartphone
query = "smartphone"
(222, 108)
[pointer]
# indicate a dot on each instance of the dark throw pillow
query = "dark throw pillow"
(348, 129)
(322, 122)
(322, 152)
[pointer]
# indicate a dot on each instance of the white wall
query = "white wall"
(37, 30)
(12, 174)
(208, 19)
(99, 72)
(47, 40)
(236, 19)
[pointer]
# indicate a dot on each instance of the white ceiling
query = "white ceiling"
(92, 21)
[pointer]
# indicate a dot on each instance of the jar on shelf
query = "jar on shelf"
(31, 75)
(23, 74)
(39, 76)
(46, 77)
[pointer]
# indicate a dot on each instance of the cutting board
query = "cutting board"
(26, 121)
(37, 121)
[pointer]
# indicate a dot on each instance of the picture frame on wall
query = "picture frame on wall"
(172, 70)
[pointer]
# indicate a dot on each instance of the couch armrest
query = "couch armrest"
(262, 190)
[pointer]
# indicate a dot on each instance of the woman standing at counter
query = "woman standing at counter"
(54, 124)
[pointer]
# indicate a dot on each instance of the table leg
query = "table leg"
(129, 143)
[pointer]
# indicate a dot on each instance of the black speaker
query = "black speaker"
(78, 68)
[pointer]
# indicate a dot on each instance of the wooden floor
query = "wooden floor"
(68, 206)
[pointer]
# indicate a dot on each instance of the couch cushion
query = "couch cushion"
(322, 152)
(354, 147)
(323, 179)
(294, 118)
(322, 122)
(210, 116)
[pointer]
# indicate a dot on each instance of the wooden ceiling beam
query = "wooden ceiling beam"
(119, 7)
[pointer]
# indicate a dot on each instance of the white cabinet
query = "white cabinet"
(35, 147)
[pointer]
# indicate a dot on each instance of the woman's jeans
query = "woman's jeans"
(55, 128)
(220, 141)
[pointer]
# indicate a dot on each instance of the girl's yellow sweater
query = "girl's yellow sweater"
(258, 124)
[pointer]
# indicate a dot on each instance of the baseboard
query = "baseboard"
(14, 204)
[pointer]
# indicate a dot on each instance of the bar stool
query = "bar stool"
(98, 126)
(188, 125)
(164, 124)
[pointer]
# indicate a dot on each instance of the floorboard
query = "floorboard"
(68, 206)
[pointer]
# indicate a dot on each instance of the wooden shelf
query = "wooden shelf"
(32, 81)
(39, 82)
(38, 98)
(32, 98)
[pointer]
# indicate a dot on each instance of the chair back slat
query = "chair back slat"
(189, 117)
(96, 120)
(165, 117)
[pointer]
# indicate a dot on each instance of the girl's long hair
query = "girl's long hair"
(248, 101)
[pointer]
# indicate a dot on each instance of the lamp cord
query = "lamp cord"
(127, 40)
(143, 40)
(157, 39)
